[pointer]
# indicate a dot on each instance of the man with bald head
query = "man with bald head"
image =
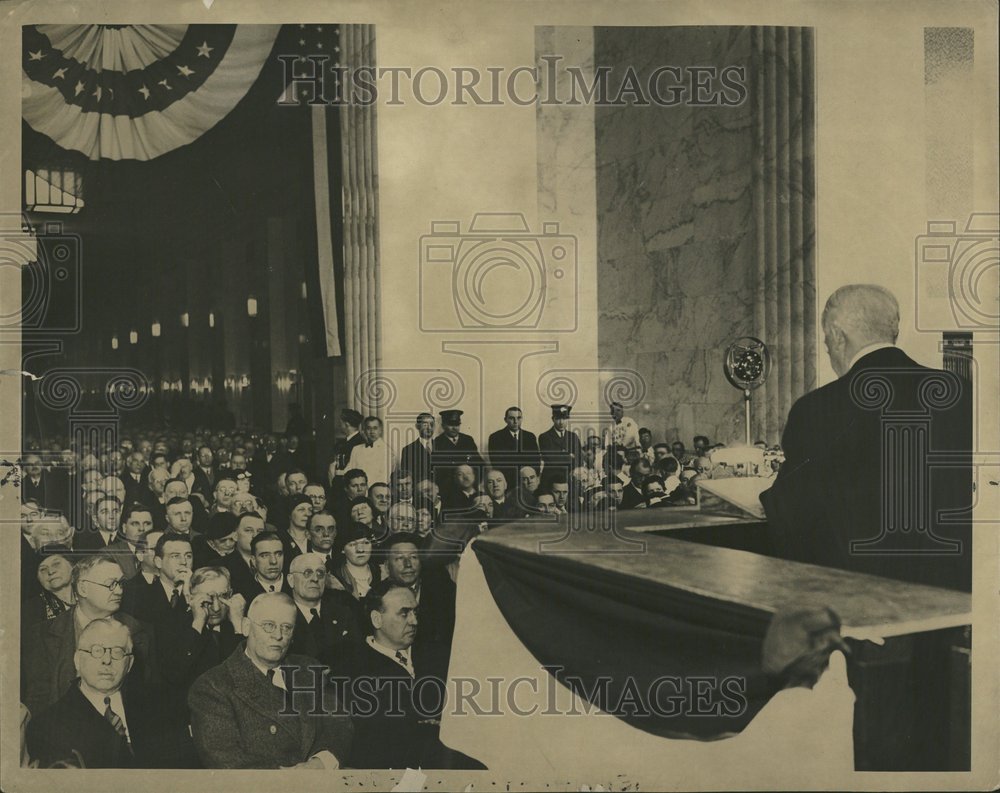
(105, 719)
(239, 716)
(831, 503)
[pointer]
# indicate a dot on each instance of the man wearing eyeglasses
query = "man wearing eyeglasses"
(105, 719)
(325, 625)
(47, 667)
(239, 717)
(205, 633)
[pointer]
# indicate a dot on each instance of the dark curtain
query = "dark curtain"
(586, 624)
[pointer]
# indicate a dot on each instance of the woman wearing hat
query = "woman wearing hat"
(54, 574)
(351, 567)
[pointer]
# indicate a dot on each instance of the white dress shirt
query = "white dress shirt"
(388, 652)
(96, 698)
(374, 460)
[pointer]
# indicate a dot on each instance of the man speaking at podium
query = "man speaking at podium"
(876, 459)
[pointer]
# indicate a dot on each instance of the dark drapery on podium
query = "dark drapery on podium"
(588, 625)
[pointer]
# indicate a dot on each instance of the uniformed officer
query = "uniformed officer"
(453, 448)
(559, 446)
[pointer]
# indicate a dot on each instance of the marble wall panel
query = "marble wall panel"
(675, 233)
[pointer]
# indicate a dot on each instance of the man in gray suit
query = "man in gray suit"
(265, 708)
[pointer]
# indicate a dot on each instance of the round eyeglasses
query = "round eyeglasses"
(99, 652)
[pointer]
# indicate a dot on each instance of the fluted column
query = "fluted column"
(362, 326)
(784, 198)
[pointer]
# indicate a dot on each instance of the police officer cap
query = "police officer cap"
(451, 417)
(561, 411)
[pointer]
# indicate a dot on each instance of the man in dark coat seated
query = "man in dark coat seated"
(394, 728)
(203, 635)
(431, 586)
(852, 492)
(239, 710)
(106, 719)
(325, 624)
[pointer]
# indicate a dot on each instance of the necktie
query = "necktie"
(318, 629)
(114, 719)
(270, 676)
(175, 597)
(401, 658)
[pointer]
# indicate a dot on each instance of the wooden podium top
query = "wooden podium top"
(869, 607)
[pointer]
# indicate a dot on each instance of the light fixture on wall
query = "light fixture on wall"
(114, 342)
(133, 337)
(244, 381)
(154, 329)
(251, 307)
(211, 319)
(185, 319)
(305, 291)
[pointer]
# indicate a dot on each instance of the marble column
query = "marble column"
(362, 304)
(784, 195)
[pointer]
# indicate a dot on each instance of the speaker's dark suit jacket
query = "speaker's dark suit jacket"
(73, 731)
(47, 668)
(236, 722)
(829, 494)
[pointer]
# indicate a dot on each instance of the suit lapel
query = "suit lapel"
(253, 688)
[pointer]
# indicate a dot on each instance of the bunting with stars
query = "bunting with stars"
(134, 92)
